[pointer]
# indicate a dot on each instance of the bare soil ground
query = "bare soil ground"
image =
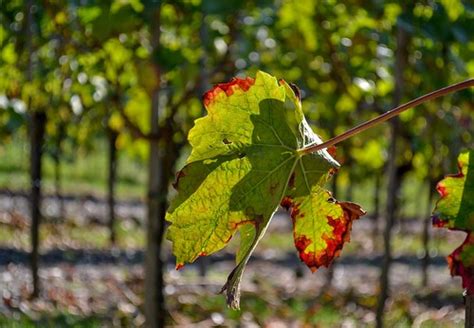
(91, 284)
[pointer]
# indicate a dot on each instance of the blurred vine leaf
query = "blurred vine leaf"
(245, 162)
(455, 211)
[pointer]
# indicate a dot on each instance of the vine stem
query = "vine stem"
(388, 115)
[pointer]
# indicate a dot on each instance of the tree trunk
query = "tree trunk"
(57, 186)
(58, 175)
(38, 122)
(112, 138)
(154, 300)
(401, 56)
(392, 194)
(37, 129)
(469, 300)
(349, 190)
(163, 154)
(155, 311)
(376, 213)
(426, 235)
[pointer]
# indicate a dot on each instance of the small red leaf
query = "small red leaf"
(455, 210)
(458, 268)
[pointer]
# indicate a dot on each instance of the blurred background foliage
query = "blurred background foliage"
(91, 64)
(96, 70)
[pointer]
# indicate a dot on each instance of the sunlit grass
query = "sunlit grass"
(82, 173)
(61, 320)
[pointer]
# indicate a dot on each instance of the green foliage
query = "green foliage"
(245, 161)
(345, 71)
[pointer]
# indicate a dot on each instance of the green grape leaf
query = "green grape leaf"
(245, 161)
(455, 211)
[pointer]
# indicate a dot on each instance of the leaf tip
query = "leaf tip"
(353, 210)
(232, 288)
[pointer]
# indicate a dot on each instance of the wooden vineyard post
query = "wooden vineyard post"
(469, 302)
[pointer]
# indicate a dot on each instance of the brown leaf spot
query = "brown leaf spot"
(438, 222)
(332, 171)
(296, 90)
(235, 225)
(228, 239)
(286, 203)
(291, 182)
(179, 175)
(273, 188)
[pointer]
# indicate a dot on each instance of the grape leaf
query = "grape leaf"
(245, 161)
(455, 211)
